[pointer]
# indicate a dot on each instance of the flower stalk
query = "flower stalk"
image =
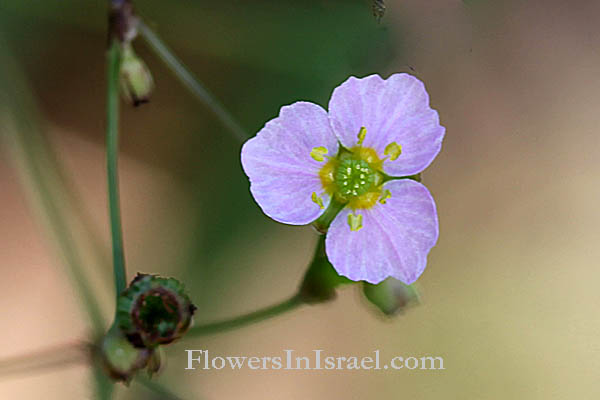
(22, 137)
(112, 153)
(321, 281)
(247, 319)
(191, 83)
(322, 223)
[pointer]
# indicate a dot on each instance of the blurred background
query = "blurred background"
(510, 296)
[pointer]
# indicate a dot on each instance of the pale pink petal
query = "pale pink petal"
(395, 238)
(392, 110)
(282, 173)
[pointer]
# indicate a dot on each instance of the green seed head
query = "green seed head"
(154, 311)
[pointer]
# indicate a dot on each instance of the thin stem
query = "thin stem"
(190, 81)
(157, 388)
(104, 387)
(112, 154)
(71, 199)
(66, 242)
(323, 222)
(45, 360)
(247, 319)
(18, 125)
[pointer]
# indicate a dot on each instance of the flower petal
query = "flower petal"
(282, 174)
(392, 110)
(394, 240)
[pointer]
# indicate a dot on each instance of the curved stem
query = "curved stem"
(45, 360)
(112, 154)
(157, 388)
(323, 222)
(247, 319)
(190, 81)
(104, 387)
(22, 136)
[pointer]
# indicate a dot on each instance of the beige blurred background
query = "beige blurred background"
(510, 295)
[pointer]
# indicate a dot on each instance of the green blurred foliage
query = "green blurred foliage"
(254, 55)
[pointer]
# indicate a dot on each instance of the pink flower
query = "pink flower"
(358, 155)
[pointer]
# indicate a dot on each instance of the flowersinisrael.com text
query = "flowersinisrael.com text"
(315, 360)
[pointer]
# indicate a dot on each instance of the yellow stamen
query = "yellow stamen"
(326, 175)
(369, 155)
(361, 135)
(384, 196)
(318, 153)
(393, 150)
(317, 200)
(355, 222)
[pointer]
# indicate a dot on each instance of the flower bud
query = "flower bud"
(136, 80)
(321, 279)
(121, 359)
(391, 296)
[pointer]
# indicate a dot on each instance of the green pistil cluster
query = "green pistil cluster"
(354, 177)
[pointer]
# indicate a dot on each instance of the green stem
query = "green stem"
(247, 319)
(46, 360)
(112, 155)
(67, 244)
(323, 222)
(18, 126)
(68, 195)
(104, 387)
(190, 81)
(318, 286)
(158, 389)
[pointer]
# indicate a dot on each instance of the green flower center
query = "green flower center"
(354, 177)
